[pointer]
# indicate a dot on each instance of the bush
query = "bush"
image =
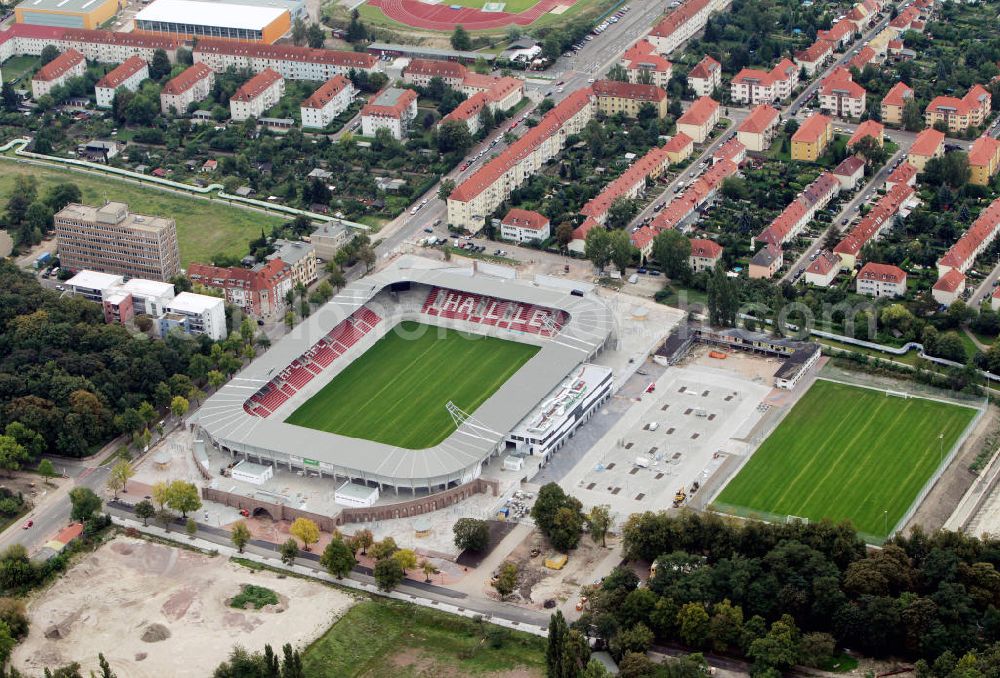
(258, 596)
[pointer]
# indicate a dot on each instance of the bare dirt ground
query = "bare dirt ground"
(537, 583)
(155, 610)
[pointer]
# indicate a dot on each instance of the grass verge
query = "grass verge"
(391, 638)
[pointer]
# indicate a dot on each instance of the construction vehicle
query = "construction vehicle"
(679, 498)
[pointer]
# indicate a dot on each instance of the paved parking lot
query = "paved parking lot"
(678, 435)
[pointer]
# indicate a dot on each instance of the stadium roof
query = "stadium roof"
(458, 457)
(252, 18)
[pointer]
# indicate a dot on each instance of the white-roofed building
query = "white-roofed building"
(231, 21)
(195, 314)
(94, 285)
(149, 296)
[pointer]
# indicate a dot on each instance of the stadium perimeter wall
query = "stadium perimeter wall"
(403, 509)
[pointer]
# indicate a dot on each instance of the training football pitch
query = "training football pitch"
(845, 452)
(396, 392)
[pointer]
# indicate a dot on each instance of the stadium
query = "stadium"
(416, 376)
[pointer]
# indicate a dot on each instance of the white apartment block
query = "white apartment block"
(193, 85)
(69, 64)
(293, 63)
(392, 109)
(129, 75)
(764, 87)
(683, 23)
(331, 99)
(202, 314)
(257, 94)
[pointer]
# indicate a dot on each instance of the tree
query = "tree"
(240, 535)
(145, 510)
(7, 643)
(637, 638)
(120, 474)
(9, 98)
(672, 251)
(454, 137)
(726, 626)
(555, 649)
(49, 52)
(871, 150)
(779, 649)
(564, 234)
(815, 649)
(597, 247)
(445, 189)
(406, 558)
(471, 534)
(620, 213)
(388, 574)
(621, 249)
(299, 31)
(289, 551)
(337, 558)
(599, 521)
(62, 194)
(83, 504)
(723, 298)
(617, 72)
(460, 39)
(694, 625)
(552, 46)
(428, 568)
(506, 580)
(364, 539)
(183, 496)
(306, 530)
(46, 470)
(160, 493)
(912, 117)
(558, 516)
(356, 30)
(160, 65)
(12, 454)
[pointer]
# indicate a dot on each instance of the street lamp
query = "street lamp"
(885, 517)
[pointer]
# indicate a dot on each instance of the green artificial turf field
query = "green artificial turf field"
(846, 452)
(397, 391)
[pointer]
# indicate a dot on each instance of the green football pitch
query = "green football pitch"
(396, 392)
(845, 452)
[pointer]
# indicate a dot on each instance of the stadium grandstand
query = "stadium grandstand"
(248, 417)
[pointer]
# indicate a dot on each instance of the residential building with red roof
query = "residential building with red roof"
(733, 150)
(898, 200)
(973, 242)
(949, 288)
(69, 64)
(984, 159)
(766, 262)
(758, 129)
(840, 34)
(850, 172)
(971, 110)
(630, 184)
(904, 174)
(422, 71)
(105, 47)
(869, 128)
(392, 109)
(839, 95)
(329, 100)
(128, 75)
(683, 23)
(643, 64)
(759, 87)
(627, 98)
(705, 77)
(679, 148)
(293, 63)
(468, 112)
(811, 138)
(866, 55)
(699, 119)
(260, 291)
(193, 84)
(790, 222)
(893, 103)
(705, 254)
(823, 269)
(524, 226)
(928, 144)
(503, 91)
(881, 280)
(815, 56)
(480, 194)
(256, 95)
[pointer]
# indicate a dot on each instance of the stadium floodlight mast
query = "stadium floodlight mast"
(460, 417)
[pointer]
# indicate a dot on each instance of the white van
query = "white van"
(653, 425)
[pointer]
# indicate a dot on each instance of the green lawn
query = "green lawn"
(204, 228)
(391, 638)
(846, 452)
(397, 391)
(18, 67)
(373, 16)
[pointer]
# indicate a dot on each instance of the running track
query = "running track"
(443, 18)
